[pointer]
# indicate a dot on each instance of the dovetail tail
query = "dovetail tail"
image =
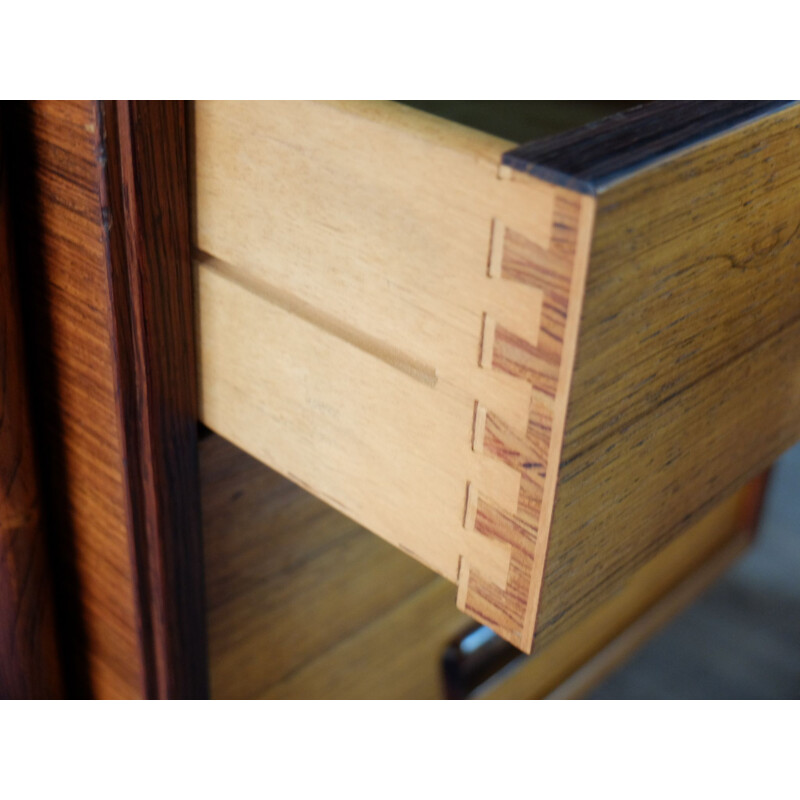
(487, 341)
(479, 430)
(496, 249)
(471, 510)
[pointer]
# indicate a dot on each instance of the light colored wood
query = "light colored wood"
(303, 603)
(364, 282)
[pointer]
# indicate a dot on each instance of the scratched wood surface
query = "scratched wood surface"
(106, 292)
(304, 603)
(29, 662)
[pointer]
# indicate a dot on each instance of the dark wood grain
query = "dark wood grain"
(108, 305)
(685, 383)
(146, 189)
(522, 120)
(591, 156)
(29, 663)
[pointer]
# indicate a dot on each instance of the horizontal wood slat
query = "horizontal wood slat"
(106, 284)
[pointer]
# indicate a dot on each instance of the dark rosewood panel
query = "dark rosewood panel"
(588, 157)
(108, 307)
(29, 666)
(146, 190)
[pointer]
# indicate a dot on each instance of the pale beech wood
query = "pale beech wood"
(349, 332)
(390, 318)
(303, 603)
(105, 283)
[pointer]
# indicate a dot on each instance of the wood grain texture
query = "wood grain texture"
(592, 156)
(687, 377)
(509, 606)
(626, 644)
(107, 296)
(406, 310)
(29, 664)
(304, 603)
(149, 256)
(427, 301)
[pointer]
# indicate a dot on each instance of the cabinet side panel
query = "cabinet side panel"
(67, 304)
(108, 306)
(29, 664)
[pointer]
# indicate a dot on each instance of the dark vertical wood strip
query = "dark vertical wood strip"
(146, 205)
(29, 664)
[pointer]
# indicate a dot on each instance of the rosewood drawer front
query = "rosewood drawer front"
(527, 368)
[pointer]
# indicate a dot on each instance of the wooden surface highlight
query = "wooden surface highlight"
(29, 663)
(400, 301)
(67, 308)
(106, 294)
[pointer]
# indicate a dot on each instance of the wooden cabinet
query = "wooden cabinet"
(534, 370)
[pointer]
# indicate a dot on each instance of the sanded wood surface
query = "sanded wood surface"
(426, 306)
(106, 290)
(29, 662)
(304, 603)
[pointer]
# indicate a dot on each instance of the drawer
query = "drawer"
(527, 367)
